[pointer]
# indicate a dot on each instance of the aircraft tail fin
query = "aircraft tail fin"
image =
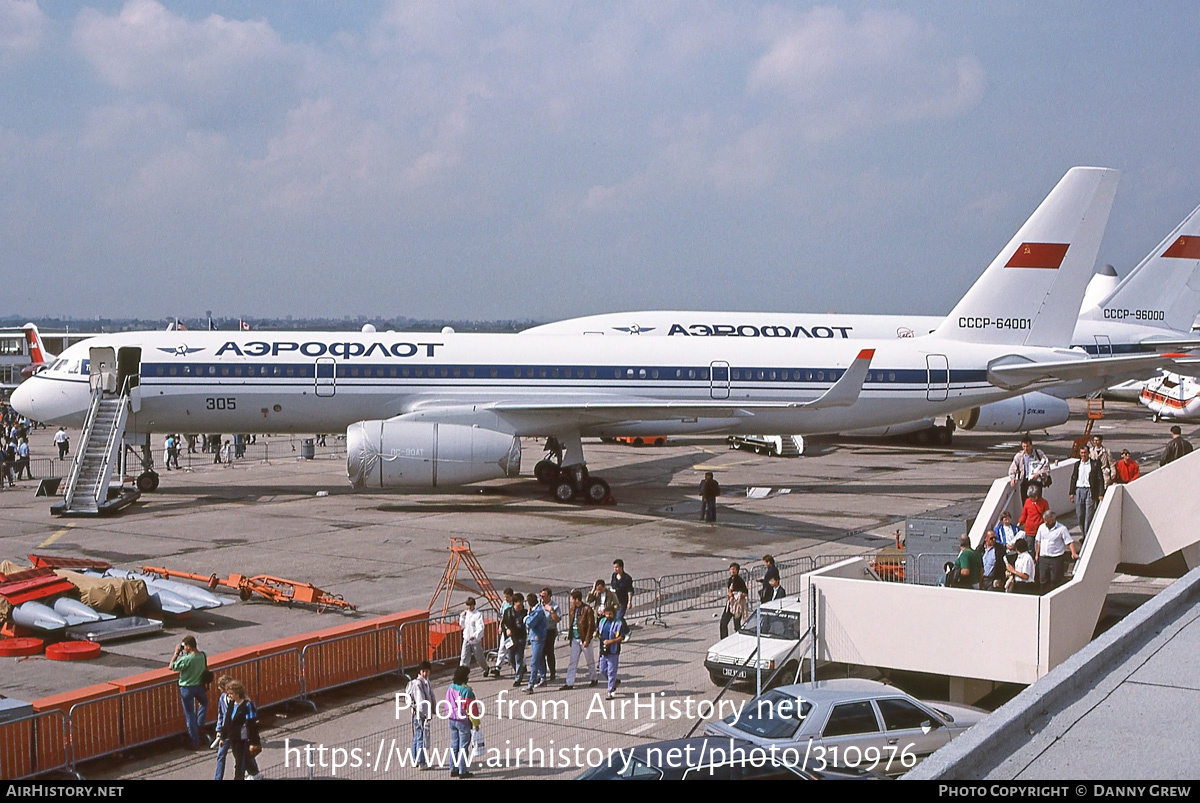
(1164, 289)
(37, 350)
(1030, 294)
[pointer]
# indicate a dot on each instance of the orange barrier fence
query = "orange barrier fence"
(269, 679)
(349, 659)
(34, 745)
(99, 720)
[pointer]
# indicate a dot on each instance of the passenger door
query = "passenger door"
(938, 372)
(719, 380)
(326, 376)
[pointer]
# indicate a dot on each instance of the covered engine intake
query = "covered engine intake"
(1018, 414)
(417, 454)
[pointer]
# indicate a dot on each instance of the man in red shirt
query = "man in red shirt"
(1127, 469)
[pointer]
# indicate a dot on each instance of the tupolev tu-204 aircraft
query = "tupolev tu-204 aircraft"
(424, 410)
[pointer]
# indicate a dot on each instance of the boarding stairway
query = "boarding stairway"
(98, 456)
(790, 446)
(777, 445)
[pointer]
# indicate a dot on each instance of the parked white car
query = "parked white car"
(738, 657)
(850, 722)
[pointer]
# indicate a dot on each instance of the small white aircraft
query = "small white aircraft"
(1172, 396)
(1152, 308)
(448, 409)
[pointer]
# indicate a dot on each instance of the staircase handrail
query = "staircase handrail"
(118, 427)
(81, 448)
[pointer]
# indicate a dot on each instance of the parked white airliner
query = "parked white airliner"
(1152, 308)
(448, 409)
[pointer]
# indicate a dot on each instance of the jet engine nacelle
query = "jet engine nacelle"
(1019, 414)
(419, 454)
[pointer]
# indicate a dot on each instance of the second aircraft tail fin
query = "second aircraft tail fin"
(1030, 293)
(1164, 289)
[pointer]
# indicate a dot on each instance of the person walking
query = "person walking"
(241, 731)
(709, 491)
(582, 629)
(472, 624)
(514, 629)
(462, 708)
(611, 633)
(420, 693)
(736, 604)
(535, 626)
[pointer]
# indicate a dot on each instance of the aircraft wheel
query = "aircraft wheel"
(943, 436)
(564, 491)
(545, 472)
(924, 437)
(596, 490)
(147, 482)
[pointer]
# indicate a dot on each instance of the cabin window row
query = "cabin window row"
(399, 372)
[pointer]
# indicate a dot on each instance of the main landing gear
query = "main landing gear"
(147, 481)
(571, 481)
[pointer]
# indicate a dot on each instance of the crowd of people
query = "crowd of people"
(531, 626)
(593, 625)
(14, 447)
(1030, 556)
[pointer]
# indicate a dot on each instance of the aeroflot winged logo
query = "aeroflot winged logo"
(1038, 255)
(634, 329)
(180, 351)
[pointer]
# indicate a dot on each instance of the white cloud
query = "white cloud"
(146, 49)
(843, 76)
(22, 26)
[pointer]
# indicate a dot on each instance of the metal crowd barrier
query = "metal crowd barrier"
(269, 679)
(34, 745)
(154, 712)
(340, 661)
(45, 467)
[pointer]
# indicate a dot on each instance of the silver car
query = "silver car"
(848, 723)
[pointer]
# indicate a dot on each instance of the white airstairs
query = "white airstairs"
(97, 460)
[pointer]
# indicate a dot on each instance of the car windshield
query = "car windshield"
(776, 624)
(775, 715)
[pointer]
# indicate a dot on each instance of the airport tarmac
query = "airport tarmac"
(384, 552)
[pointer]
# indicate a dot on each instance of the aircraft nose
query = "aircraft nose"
(22, 401)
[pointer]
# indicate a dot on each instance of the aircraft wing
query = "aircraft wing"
(843, 393)
(1183, 344)
(1015, 375)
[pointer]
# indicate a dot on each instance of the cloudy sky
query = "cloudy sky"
(548, 159)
